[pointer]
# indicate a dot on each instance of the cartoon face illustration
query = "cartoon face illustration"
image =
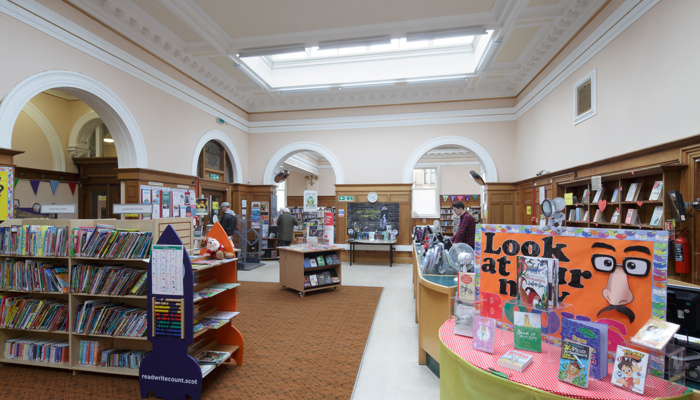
(620, 264)
(573, 370)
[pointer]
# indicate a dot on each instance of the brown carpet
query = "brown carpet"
(295, 348)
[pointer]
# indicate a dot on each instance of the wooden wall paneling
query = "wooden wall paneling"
(689, 186)
(500, 203)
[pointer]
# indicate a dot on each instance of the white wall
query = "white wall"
(455, 179)
(647, 84)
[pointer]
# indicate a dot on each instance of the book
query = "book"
(527, 331)
(537, 282)
(586, 196)
(313, 279)
(313, 263)
(307, 262)
(585, 216)
(598, 217)
(656, 191)
(615, 195)
(466, 285)
(515, 360)
(327, 279)
(484, 334)
(574, 364)
(630, 369)
(320, 261)
(211, 357)
(655, 334)
(598, 195)
(632, 217)
(307, 282)
(464, 318)
(572, 215)
(615, 217)
(329, 259)
(592, 334)
(633, 192)
(657, 216)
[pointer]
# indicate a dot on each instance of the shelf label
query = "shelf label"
(58, 209)
(346, 198)
(132, 208)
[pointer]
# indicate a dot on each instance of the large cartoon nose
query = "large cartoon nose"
(618, 290)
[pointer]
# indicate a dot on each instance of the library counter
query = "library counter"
(464, 374)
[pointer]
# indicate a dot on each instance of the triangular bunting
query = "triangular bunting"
(475, 197)
(445, 197)
(459, 198)
(453, 197)
(35, 184)
(16, 180)
(71, 185)
(54, 185)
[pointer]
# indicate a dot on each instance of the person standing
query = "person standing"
(286, 223)
(467, 225)
(228, 221)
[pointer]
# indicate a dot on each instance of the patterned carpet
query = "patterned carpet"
(295, 348)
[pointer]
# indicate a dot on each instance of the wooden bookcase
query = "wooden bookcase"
(293, 272)
(270, 252)
(644, 178)
(183, 226)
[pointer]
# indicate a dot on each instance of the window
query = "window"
(281, 195)
(425, 192)
(214, 163)
(585, 98)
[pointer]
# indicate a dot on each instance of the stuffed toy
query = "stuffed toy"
(216, 249)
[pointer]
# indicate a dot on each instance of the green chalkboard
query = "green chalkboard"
(373, 217)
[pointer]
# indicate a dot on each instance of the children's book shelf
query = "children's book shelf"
(34, 329)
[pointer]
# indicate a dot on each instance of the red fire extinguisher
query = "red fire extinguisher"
(681, 252)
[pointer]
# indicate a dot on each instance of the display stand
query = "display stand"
(673, 358)
(507, 317)
(464, 312)
(294, 271)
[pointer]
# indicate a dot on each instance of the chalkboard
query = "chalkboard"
(373, 217)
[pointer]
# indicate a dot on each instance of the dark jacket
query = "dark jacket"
(286, 223)
(229, 222)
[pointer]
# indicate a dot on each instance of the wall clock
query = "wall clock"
(372, 197)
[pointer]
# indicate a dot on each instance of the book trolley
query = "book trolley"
(469, 372)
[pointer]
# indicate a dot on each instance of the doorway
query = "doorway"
(215, 197)
(97, 201)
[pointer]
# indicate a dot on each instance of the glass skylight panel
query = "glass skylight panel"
(398, 61)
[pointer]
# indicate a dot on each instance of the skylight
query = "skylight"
(388, 63)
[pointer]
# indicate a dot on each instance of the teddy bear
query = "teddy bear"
(216, 249)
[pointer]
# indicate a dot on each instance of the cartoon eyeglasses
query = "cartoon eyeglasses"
(633, 266)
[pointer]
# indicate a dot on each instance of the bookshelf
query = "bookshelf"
(294, 270)
(615, 198)
(74, 295)
(268, 246)
(447, 220)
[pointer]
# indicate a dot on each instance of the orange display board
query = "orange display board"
(617, 277)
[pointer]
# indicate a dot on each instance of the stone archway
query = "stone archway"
(230, 150)
(288, 150)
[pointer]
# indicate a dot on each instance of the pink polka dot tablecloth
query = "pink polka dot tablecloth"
(543, 374)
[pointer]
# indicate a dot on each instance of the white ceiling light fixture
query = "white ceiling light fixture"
(272, 50)
(108, 140)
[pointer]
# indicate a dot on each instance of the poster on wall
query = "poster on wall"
(310, 201)
(6, 198)
(373, 217)
(616, 277)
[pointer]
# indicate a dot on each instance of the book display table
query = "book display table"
(464, 373)
(294, 273)
(389, 243)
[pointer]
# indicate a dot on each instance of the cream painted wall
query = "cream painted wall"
(379, 155)
(25, 194)
(455, 179)
(28, 137)
(647, 84)
(170, 127)
(326, 182)
(296, 184)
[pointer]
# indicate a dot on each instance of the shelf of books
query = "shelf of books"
(632, 199)
(447, 220)
(72, 292)
(307, 269)
(268, 246)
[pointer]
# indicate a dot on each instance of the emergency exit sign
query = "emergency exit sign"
(345, 198)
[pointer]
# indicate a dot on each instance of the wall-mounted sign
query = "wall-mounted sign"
(345, 198)
(58, 209)
(132, 208)
(214, 177)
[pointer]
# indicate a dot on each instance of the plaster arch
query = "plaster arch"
(57, 153)
(286, 151)
(83, 129)
(128, 140)
(485, 160)
(228, 146)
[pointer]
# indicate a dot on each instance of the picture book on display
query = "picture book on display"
(312, 261)
(655, 334)
(466, 285)
(586, 196)
(515, 360)
(527, 331)
(630, 369)
(321, 261)
(615, 195)
(484, 334)
(598, 195)
(592, 334)
(615, 217)
(574, 363)
(464, 319)
(657, 216)
(307, 262)
(313, 280)
(211, 357)
(633, 192)
(656, 191)
(537, 282)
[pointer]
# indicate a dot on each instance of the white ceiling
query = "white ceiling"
(202, 37)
